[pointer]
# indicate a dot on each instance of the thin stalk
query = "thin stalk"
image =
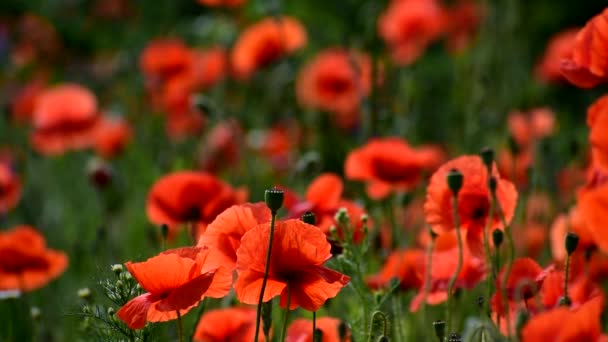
(491, 271)
(427, 277)
(286, 316)
(458, 266)
(180, 328)
(510, 257)
(566, 271)
(265, 279)
(314, 325)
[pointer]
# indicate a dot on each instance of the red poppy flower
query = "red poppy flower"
(300, 330)
(25, 262)
(461, 23)
(473, 200)
(165, 58)
(573, 222)
(523, 283)
(563, 324)
(217, 3)
(231, 324)
(580, 290)
(64, 118)
(560, 47)
(401, 265)
(36, 40)
(409, 26)
(515, 167)
(224, 234)
(277, 143)
(111, 136)
(298, 253)
(24, 102)
(323, 198)
(336, 80)
(189, 197)
(10, 188)
(597, 120)
(531, 238)
(525, 128)
(588, 65)
(265, 42)
(390, 164)
(176, 279)
(443, 263)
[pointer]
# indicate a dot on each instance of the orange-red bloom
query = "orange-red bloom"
(525, 128)
(461, 22)
(336, 80)
(300, 330)
(265, 42)
(111, 136)
(165, 58)
(580, 290)
(390, 164)
(189, 197)
(473, 200)
(597, 120)
(24, 102)
(593, 206)
(298, 253)
(224, 234)
(588, 65)
(25, 262)
(560, 47)
(64, 118)
(400, 265)
(323, 198)
(565, 325)
(231, 324)
(175, 280)
(409, 26)
(221, 147)
(10, 187)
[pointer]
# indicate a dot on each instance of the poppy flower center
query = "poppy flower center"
(473, 208)
(192, 214)
(270, 51)
(335, 86)
(15, 261)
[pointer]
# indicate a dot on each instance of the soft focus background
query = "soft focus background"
(458, 100)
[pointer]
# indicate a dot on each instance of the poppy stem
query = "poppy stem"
(490, 270)
(427, 274)
(566, 272)
(510, 257)
(265, 279)
(458, 266)
(286, 316)
(180, 328)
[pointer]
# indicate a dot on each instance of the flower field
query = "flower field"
(303, 171)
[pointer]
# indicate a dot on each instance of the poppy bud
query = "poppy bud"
(341, 216)
(487, 155)
(513, 147)
(455, 337)
(455, 179)
(364, 218)
(117, 269)
(111, 311)
(564, 301)
(571, 242)
(309, 218)
(433, 234)
(99, 172)
(439, 327)
(492, 184)
(274, 199)
(204, 105)
(497, 237)
(480, 301)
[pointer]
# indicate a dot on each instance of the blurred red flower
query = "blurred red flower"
(224, 234)
(24, 101)
(230, 324)
(473, 200)
(523, 283)
(25, 262)
(296, 266)
(10, 187)
(111, 136)
(560, 46)
(597, 120)
(401, 265)
(563, 324)
(65, 117)
(588, 65)
(323, 198)
(461, 22)
(409, 26)
(221, 147)
(528, 127)
(336, 80)
(300, 330)
(580, 290)
(265, 42)
(390, 164)
(175, 280)
(190, 197)
(164, 58)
